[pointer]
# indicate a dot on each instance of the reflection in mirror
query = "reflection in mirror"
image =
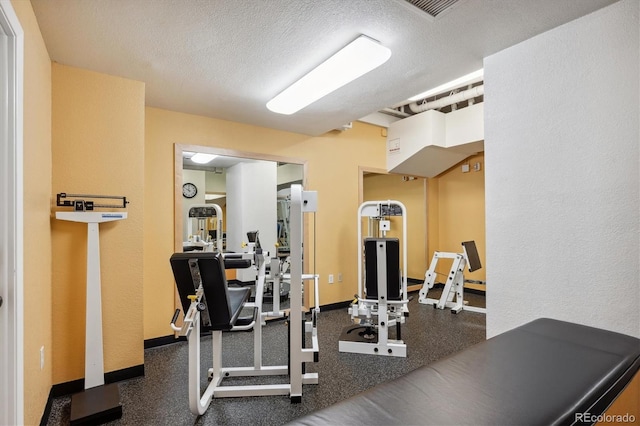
(228, 196)
(252, 195)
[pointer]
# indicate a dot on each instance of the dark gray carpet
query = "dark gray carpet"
(161, 396)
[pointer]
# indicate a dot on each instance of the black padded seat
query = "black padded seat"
(542, 373)
(224, 304)
(232, 263)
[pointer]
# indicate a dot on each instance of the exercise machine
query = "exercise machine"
(204, 228)
(249, 249)
(381, 302)
(210, 304)
(277, 285)
(266, 273)
(453, 292)
(278, 277)
(283, 223)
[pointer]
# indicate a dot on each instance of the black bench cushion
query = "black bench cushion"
(541, 373)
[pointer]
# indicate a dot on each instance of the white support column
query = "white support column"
(252, 205)
(194, 367)
(295, 320)
(98, 402)
(94, 351)
(94, 359)
(301, 202)
(383, 313)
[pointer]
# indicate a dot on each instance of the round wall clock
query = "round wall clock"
(189, 190)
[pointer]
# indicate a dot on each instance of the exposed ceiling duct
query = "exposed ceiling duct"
(448, 100)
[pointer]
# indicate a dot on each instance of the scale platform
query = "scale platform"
(97, 405)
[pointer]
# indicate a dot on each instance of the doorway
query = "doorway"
(378, 185)
(11, 308)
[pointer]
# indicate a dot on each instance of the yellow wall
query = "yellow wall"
(455, 203)
(90, 133)
(461, 212)
(454, 213)
(37, 232)
(98, 148)
(332, 170)
(379, 187)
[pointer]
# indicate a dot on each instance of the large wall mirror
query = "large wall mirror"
(249, 190)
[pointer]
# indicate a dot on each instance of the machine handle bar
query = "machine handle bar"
(174, 319)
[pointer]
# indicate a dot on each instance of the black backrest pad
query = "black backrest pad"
(392, 263)
(214, 283)
(182, 275)
(472, 254)
(212, 273)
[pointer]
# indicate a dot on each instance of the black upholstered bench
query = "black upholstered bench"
(542, 373)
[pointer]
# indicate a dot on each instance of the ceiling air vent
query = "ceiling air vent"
(433, 7)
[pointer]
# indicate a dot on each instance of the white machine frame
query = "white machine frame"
(201, 240)
(380, 313)
(453, 292)
(301, 202)
(277, 276)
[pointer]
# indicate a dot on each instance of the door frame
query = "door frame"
(11, 217)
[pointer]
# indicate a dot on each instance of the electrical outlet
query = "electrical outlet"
(339, 277)
(42, 358)
(330, 278)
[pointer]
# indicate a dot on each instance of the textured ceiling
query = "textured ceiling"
(227, 58)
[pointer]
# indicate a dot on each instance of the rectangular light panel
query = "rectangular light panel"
(354, 60)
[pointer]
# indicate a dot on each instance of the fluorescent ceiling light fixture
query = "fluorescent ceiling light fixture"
(354, 60)
(473, 77)
(201, 158)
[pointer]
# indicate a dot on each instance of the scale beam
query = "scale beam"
(84, 202)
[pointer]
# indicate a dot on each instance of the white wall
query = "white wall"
(288, 173)
(251, 204)
(216, 182)
(562, 184)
